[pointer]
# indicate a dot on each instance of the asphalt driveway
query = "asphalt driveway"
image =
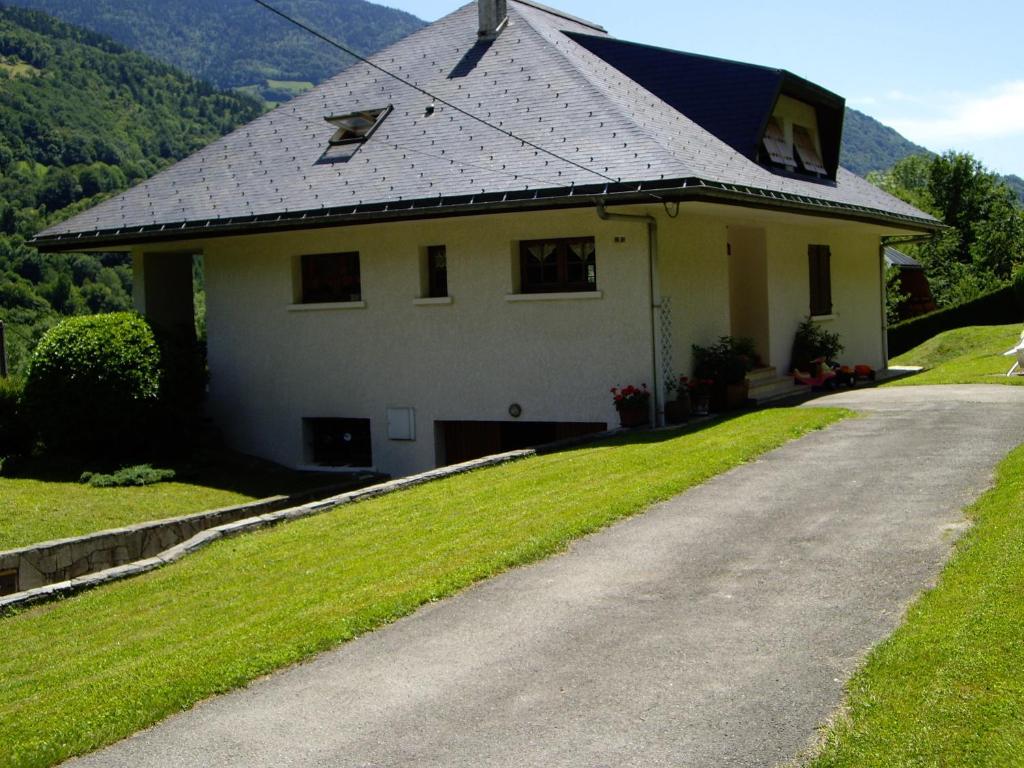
(714, 630)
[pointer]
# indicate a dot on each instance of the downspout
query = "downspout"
(655, 299)
(883, 281)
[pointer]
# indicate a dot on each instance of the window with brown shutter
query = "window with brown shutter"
(820, 268)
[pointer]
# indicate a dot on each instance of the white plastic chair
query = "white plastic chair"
(1018, 351)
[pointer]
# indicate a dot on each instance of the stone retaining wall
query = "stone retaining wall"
(252, 520)
(55, 561)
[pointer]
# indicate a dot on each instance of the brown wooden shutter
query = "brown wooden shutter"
(819, 259)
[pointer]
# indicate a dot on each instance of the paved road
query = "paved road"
(715, 630)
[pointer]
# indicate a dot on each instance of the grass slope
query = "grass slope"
(972, 355)
(946, 689)
(140, 650)
(51, 505)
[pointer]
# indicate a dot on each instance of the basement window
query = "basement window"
(356, 127)
(779, 150)
(807, 151)
(339, 442)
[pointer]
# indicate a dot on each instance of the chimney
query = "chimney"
(493, 17)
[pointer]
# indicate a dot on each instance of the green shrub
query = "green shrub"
(726, 362)
(811, 342)
(92, 385)
(1001, 307)
(140, 474)
(15, 430)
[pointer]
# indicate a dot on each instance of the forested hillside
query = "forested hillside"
(870, 146)
(236, 43)
(82, 118)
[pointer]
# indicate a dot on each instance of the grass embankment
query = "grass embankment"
(946, 689)
(51, 504)
(971, 355)
(134, 652)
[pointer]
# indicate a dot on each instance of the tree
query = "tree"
(985, 241)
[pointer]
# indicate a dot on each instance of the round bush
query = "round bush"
(93, 385)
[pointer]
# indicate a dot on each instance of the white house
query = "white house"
(461, 249)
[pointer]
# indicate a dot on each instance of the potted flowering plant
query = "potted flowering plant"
(727, 364)
(678, 411)
(700, 395)
(632, 404)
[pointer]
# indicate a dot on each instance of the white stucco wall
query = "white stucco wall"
(856, 291)
(695, 271)
(272, 366)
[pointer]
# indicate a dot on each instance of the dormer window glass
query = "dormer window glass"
(807, 151)
(779, 150)
(356, 126)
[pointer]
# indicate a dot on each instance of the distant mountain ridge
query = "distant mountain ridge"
(236, 43)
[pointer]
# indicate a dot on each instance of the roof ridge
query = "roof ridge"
(605, 93)
(562, 15)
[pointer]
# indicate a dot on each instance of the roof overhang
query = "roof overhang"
(624, 193)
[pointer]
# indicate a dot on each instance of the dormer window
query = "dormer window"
(779, 150)
(807, 151)
(356, 126)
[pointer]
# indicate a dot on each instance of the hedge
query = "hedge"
(1001, 307)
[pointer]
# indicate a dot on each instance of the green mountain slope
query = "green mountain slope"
(83, 118)
(870, 146)
(235, 43)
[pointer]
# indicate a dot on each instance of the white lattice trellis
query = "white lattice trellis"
(665, 317)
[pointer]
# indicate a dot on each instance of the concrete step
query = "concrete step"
(761, 375)
(770, 389)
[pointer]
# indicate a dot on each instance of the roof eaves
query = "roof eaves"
(675, 190)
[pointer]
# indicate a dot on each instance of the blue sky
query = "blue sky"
(946, 75)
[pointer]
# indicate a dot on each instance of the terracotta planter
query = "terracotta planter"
(736, 395)
(633, 417)
(678, 411)
(730, 397)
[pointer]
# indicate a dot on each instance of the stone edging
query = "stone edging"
(202, 539)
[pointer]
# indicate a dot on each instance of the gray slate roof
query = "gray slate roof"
(533, 81)
(896, 258)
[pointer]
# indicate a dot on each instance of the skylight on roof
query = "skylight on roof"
(356, 126)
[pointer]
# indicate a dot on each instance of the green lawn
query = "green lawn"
(44, 504)
(947, 689)
(134, 652)
(963, 356)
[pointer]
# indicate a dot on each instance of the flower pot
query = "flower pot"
(633, 417)
(678, 411)
(736, 395)
(701, 404)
